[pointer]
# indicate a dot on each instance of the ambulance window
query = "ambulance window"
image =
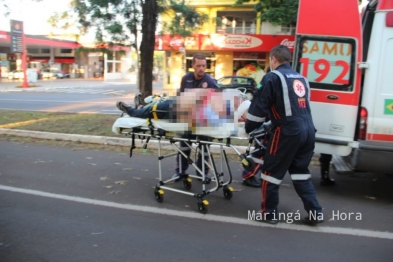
(328, 63)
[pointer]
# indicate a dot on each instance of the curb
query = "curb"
(102, 140)
(113, 141)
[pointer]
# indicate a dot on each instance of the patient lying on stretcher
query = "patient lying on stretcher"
(197, 107)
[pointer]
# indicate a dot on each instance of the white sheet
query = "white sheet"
(223, 131)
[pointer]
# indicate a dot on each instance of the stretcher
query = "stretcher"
(222, 136)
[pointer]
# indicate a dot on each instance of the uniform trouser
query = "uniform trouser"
(185, 149)
(165, 106)
(293, 154)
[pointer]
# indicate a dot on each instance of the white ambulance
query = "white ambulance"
(348, 59)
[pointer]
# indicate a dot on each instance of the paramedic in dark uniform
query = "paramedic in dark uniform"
(285, 98)
(196, 79)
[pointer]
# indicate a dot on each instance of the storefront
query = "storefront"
(245, 55)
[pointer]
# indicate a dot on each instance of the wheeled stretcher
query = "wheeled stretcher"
(163, 130)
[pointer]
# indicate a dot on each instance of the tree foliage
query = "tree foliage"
(186, 20)
(277, 12)
(118, 22)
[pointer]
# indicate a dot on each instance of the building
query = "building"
(239, 45)
(79, 60)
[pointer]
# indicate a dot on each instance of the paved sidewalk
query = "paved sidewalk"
(10, 85)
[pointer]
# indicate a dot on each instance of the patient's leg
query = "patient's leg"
(143, 112)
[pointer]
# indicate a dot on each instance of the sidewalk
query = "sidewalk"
(7, 85)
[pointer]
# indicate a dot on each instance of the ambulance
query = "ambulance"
(347, 56)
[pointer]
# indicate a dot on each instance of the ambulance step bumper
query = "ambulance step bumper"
(340, 165)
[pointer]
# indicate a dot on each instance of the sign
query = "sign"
(16, 32)
(215, 42)
(326, 62)
(388, 107)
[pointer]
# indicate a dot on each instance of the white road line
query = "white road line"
(195, 215)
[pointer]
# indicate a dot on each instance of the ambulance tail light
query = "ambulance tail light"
(363, 124)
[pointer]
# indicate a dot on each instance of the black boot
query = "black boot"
(325, 178)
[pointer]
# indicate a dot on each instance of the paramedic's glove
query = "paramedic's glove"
(268, 126)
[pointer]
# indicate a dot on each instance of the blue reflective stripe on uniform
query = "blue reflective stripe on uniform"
(271, 179)
(300, 176)
(287, 103)
(255, 118)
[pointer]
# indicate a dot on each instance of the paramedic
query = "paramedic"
(285, 98)
(196, 79)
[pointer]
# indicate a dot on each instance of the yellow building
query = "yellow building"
(237, 45)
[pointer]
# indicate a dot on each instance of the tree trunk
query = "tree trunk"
(149, 22)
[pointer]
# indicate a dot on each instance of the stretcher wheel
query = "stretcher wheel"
(228, 192)
(159, 194)
(248, 163)
(187, 183)
(202, 206)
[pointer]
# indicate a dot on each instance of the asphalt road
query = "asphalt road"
(70, 96)
(70, 203)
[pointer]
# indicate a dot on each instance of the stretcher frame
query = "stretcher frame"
(218, 178)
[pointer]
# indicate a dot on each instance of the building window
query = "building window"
(236, 22)
(33, 50)
(45, 50)
(65, 51)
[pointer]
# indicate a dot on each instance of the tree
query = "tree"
(118, 22)
(149, 23)
(277, 12)
(186, 21)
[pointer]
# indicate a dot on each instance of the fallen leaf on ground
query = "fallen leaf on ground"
(110, 186)
(370, 197)
(114, 192)
(103, 178)
(121, 182)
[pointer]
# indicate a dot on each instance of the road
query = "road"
(71, 96)
(72, 203)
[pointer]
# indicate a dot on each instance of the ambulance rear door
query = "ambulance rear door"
(328, 50)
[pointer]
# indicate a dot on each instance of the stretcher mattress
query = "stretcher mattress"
(224, 130)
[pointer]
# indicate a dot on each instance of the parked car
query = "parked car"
(245, 84)
(52, 73)
(16, 74)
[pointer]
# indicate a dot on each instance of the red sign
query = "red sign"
(214, 42)
(249, 56)
(4, 36)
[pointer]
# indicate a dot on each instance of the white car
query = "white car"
(16, 74)
(52, 73)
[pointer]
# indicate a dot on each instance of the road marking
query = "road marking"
(195, 215)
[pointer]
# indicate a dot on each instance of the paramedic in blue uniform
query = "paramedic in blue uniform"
(285, 98)
(196, 79)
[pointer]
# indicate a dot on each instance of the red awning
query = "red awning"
(65, 60)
